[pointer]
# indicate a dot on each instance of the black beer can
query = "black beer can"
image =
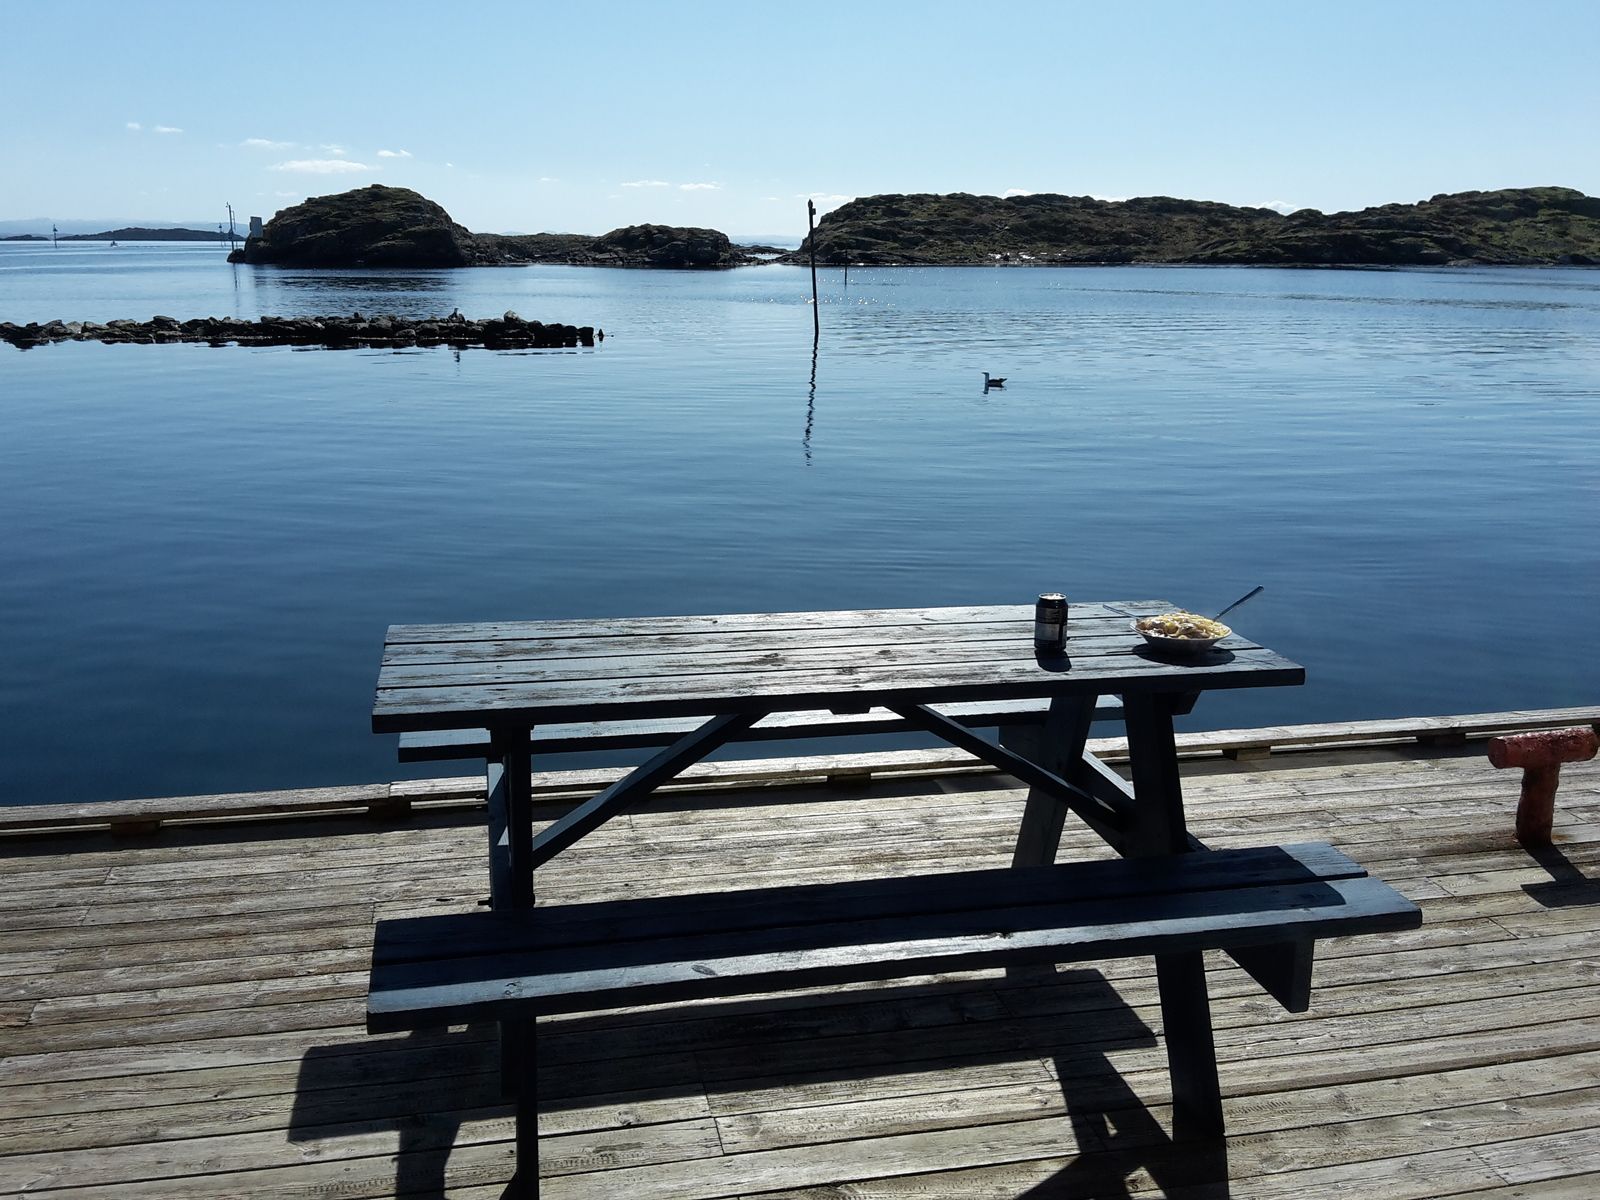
(1050, 622)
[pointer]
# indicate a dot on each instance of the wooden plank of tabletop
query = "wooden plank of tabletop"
(1014, 675)
(875, 618)
(647, 641)
(714, 659)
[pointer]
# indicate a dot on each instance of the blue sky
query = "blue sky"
(584, 117)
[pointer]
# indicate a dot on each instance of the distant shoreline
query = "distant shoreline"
(130, 234)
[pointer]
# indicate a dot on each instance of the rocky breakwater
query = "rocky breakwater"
(508, 332)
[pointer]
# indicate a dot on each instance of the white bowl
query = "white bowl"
(1172, 645)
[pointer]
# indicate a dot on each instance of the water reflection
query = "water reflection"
(377, 283)
(811, 399)
(415, 294)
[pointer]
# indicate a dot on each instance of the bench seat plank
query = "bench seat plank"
(600, 922)
(433, 971)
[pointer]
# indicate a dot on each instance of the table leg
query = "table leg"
(1180, 977)
(499, 839)
(510, 781)
(1157, 789)
(510, 749)
(1057, 746)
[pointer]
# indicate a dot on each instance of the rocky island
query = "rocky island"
(1543, 226)
(380, 226)
(671, 247)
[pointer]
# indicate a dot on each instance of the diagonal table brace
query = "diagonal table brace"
(639, 782)
(1106, 810)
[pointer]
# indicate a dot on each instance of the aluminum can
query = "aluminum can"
(1050, 622)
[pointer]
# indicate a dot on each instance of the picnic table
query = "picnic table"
(1264, 907)
(731, 671)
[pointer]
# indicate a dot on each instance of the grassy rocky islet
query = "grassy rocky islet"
(1543, 226)
(380, 226)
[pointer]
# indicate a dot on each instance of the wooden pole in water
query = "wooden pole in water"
(811, 241)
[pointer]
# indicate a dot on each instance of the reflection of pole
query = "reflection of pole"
(816, 315)
(811, 400)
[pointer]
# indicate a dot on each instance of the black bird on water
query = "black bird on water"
(990, 381)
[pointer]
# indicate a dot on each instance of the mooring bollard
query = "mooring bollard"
(1540, 756)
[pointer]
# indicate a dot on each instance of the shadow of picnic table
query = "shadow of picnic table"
(427, 1086)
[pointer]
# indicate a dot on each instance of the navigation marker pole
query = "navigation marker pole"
(232, 237)
(811, 241)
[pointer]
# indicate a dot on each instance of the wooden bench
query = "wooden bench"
(514, 967)
(447, 744)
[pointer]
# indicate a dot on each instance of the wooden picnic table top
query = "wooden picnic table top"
(509, 674)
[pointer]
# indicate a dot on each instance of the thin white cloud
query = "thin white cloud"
(166, 129)
(265, 144)
(647, 183)
(334, 149)
(322, 166)
(1016, 192)
(1109, 199)
(135, 126)
(394, 154)
(699, 187)
(288, 195)
(548, 179)
(451, 165)
(825, 199)
(1282, 206)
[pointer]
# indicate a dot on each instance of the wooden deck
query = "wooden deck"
(181, 1014)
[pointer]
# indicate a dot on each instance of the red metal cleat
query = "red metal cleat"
(1540, 756)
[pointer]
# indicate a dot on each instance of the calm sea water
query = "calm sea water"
(202, 547)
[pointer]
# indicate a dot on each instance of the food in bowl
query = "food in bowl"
(1182, 626)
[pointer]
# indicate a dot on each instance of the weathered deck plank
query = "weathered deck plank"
(182, 1017)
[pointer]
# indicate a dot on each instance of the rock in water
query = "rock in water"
(373, 226)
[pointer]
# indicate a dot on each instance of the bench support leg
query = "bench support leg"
(522, 1061)
(1191, 1050)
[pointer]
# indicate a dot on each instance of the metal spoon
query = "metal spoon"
(1248, 595)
